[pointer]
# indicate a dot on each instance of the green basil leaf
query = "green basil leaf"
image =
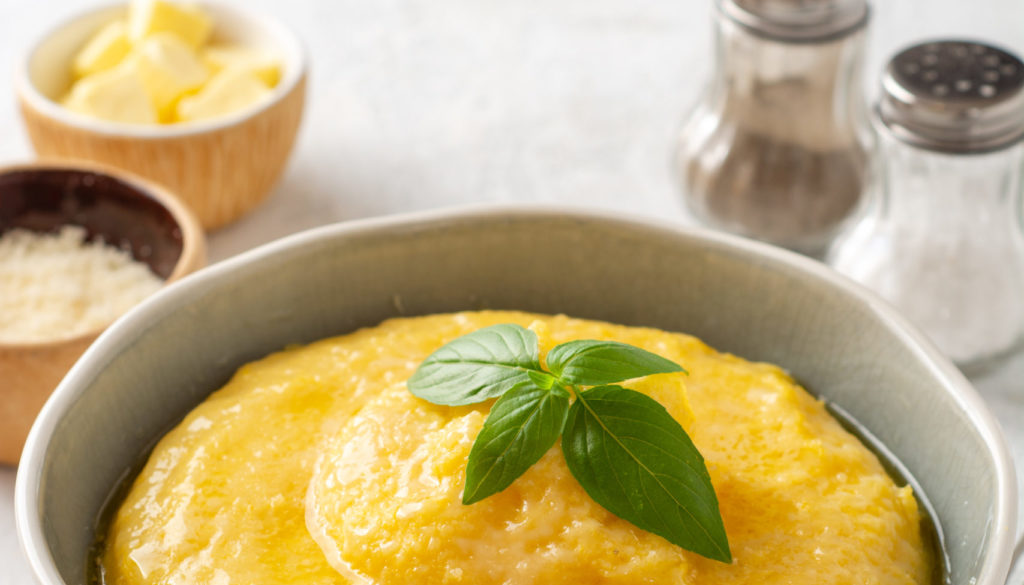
(541, 379)
(634, 459)
(590, 363)
(480, 365)
(523, 424)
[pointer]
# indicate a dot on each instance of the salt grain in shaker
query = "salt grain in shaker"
(778, 147)
(944, 240)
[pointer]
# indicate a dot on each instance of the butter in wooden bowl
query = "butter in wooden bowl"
(204, 99)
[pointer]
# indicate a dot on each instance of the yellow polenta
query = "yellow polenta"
(315, 465)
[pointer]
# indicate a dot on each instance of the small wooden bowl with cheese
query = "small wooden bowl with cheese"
(204, 99)
(80, 244)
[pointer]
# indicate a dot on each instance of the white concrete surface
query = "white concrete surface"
(420, 104)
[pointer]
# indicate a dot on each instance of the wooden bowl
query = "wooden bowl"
(125, 211)
(221, 168)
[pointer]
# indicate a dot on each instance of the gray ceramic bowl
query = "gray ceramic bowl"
(159, 361)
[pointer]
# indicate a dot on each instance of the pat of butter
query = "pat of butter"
(262, 64)
(104, 50)
(117, 95)
(149, 17)
(169, 69)
(161, 45)
(229, 91)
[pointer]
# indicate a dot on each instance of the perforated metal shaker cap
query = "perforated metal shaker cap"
(798, 20)
(954, 96)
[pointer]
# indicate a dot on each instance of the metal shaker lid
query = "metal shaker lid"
(798, 20)
(954, 96)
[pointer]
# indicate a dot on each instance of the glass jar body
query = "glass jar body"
(944, 242)
(778, 148)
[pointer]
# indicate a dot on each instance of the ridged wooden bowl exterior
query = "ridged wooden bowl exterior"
(29, 372)
(29, 375)
(220, 172)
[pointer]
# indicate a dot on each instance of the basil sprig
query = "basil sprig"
(623, 447)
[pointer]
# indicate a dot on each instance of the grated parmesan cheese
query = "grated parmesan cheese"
(55, 286)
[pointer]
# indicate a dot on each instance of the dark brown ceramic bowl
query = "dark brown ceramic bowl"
(111, 205)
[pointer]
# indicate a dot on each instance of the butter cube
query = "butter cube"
(104, 50)
(115, 94)
(263, 64)
(149, 17)
(229, 91)
(169, 69)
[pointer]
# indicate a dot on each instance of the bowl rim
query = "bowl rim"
(193, 239)
(29, 527)
(31, 96)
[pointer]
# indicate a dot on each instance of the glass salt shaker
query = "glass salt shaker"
(944, 240)
(778, 148)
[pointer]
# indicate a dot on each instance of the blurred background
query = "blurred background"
(417, 104)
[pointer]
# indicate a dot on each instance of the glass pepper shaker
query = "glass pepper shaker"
(944, 240)
(778, 148)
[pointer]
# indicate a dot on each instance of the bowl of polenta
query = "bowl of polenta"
(205, 99)
(515, 396)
